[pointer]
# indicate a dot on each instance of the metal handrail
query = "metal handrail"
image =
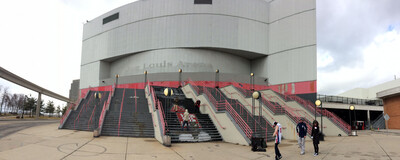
(160, 109)
(241, 96)
(206, 104)
(105, 108)
(239, 120)
(224, 105)
(120, 111)
(311, 107)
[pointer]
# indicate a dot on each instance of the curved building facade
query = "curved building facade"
(273, 39)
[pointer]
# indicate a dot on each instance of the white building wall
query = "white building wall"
(260, 32)
(370, 93)
(170, 60)
(292, 41)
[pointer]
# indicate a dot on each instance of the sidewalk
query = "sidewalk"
(47, 142)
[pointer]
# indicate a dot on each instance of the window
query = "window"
(202, 1)
(111, 18)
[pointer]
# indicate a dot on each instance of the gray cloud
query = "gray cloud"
(345, 27)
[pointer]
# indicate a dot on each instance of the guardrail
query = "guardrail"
(224, 105)
(205, 104)
(120, 110)
(160, 109)
(104, 110)
(331, 116)
(290, 112)
(248, 104)
(66, 115)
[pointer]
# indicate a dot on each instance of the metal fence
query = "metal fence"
(347, 100)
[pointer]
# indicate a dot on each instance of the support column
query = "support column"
(369, 119)
(38, 105)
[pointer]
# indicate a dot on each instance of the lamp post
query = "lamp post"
(252, 81)
(145, 78)
(180, 78)
(168, 92)
(257, 139)
(256, 95)
(322, 126)
(217, 78)
(317, 103)
(116, 80)
(351, 108)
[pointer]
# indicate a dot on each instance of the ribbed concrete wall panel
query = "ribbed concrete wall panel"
(293, 32)
(293, 65)
(283, 8)
(90, 74)
(148, 9)
(170, 60)
(178, 31)
(235, 36)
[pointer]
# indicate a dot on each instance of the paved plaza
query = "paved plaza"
(47, 142)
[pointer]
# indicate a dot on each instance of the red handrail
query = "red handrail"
(63, 118)
(206, 104)
(103, 112)
(120, 111)
(290, 112)
(160, 109)
(311, 107)
(248, 104)
(77, 118)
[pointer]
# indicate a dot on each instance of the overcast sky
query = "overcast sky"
(358, 42)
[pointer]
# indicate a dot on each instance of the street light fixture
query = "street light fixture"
(217, 78)
(168, 92)
(352, 108)
(145, 78)
(317, 103)
(180, 78)
(252, 81)
(116, 80)
(257, 140)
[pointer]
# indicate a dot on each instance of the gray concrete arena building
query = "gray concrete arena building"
(274, 39)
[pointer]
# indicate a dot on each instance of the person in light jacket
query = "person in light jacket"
(278, 138)
(185, 120)
(315, 136)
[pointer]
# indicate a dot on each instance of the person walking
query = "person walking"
(278, 138)
(315, 136)
(301, 130)
(185, 120)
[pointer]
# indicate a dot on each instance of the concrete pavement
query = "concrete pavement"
(47, 142)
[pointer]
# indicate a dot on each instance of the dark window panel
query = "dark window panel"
(202, 1)
(111, 18)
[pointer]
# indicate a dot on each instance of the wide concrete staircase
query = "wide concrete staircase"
(257, 123)
(332, 125)
(128, 115)
(86, 116)
(205, 131)
(271, 111)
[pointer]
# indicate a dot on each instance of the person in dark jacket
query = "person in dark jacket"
(302, 132)
(315, 136)
(197, 106)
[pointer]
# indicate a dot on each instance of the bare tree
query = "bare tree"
(4, 98)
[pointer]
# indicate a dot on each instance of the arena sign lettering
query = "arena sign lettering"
(180, 64)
